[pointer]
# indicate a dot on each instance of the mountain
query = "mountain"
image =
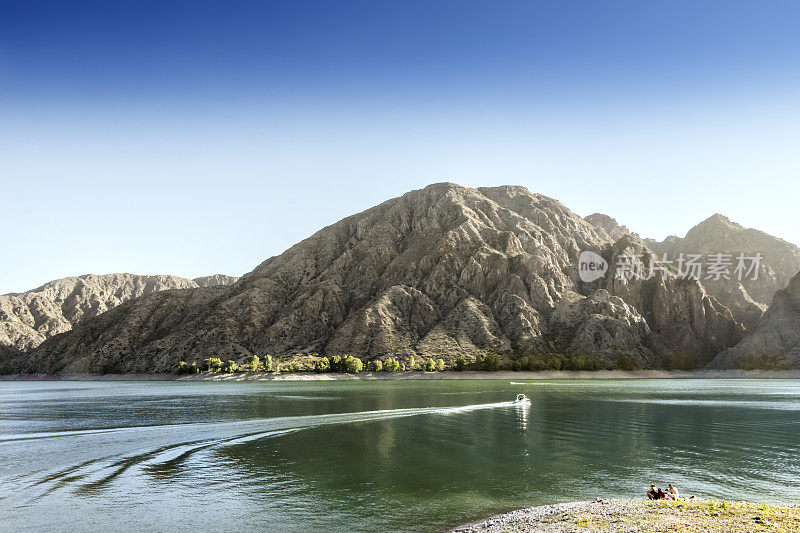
(444, 271)
(608, 225)
(749, 298)
(775, 342)
(215, 280)
(28, 319)
(689, 326)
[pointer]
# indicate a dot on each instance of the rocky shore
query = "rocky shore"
(643, 515)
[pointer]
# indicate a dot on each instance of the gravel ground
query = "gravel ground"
(643, 515)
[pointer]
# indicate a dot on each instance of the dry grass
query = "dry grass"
(712, 515)
(647, 516)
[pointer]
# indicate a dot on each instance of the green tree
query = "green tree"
(322, 365)
(375, 366)
(353, 365)
(391, 365)
(268, 365)
(211, 364)
(230, 366)
(336, 364)
(253, 363)
(412, 363)
(440, 365)
(294, 366)
(490, 363)
(183, 367)
(461, 364)
(430, 365)
(533, 364)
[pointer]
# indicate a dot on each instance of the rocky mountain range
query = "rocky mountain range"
(445, 271)
(775, 342)
(27, 319)
(749, 298)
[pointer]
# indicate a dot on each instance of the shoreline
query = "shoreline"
(638, 514)
(419, 375)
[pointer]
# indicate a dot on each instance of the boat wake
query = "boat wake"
(171, 446)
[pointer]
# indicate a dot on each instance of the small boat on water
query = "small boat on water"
(521, 399)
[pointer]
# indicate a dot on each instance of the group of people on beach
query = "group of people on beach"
(656, 493)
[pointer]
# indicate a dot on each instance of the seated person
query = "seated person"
(672, 492)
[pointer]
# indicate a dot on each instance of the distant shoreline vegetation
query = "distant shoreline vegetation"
(349, 364)
(343, 364)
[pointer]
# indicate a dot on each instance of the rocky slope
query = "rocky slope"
(775, 342)
(7, 353)
(748, 298)
(444, 271)
(215, 280)
(688, 325)
(608, 225)
(28, 318)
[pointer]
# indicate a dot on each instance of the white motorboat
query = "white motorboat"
(521, 399)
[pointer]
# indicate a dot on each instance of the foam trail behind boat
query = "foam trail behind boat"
(175, 443)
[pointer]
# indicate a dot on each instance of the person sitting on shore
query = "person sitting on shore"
(672, 492)
(655, 493)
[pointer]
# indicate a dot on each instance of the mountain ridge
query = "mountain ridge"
(748, 298)
(29, 318)
(444, 271)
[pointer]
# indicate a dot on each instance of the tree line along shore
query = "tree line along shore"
(344, 364)
(487, 362)
(349, 364)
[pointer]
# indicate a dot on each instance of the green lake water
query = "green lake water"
(377, 455)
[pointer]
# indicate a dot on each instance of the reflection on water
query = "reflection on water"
(366, 456)
(523, 412)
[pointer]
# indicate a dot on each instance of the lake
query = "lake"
(378, 455)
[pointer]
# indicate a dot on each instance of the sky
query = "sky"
(200, 137)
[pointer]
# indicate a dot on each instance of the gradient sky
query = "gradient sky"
(197, 137)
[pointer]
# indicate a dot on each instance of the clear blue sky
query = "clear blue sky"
(196, 137)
